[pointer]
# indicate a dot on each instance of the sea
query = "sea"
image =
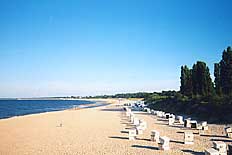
(11, 108)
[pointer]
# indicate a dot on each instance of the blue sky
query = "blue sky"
(90, 47)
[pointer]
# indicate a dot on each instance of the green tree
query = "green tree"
(183, 79)
(201, 80)
(186, 81)
(217, 80)
(226, 71)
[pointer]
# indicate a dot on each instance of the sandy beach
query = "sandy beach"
(99, 130)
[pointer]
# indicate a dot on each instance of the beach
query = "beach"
(99, 130)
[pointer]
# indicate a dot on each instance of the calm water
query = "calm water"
(10, 108)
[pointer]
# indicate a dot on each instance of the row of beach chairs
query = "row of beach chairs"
(219, 147)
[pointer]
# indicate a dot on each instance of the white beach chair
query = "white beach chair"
(188, 137)
(155, 135)
(164, 143)
(171, 121)
(220, 146)
(132, 134)
(211, 151)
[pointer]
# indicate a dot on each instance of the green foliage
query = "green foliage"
(199, 96)
(196, 81)
(155, 97)
(226, 72)
(215, 109)
(186, 81)
(182, 98)
(217, 80)
(201, 80)
(126, 95)
(132, 95)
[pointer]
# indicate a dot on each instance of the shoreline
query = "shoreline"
(79, 107)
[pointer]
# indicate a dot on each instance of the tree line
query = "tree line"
(197, 82)
(125, 95)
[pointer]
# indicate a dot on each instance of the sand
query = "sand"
(94, 131)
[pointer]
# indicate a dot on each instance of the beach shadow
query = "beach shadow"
(175, 141)
(125, 119)
(128, 128)
(145, 147)
(144, 139)
(213, 136)
(175, 126)
(193, 152)
(117, 137)
(180, 132)
(223, 140)
(124, 131)
(144, 114)
(117, 109)
(130, 125)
